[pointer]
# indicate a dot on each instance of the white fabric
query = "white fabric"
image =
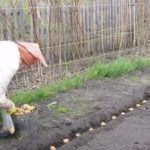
(9, 64)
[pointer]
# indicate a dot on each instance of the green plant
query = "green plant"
(102, 69)
(62, 109)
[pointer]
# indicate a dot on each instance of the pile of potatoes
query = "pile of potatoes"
(24, 109)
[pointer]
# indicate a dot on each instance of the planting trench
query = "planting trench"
(127, 132)
(85, 107)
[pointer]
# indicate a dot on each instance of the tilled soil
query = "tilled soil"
(128, 132)
(79, 109)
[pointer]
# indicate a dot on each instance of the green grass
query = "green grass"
(102, 69)
(62, 109)
(57, 108)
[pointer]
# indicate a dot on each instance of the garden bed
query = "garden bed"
(80, 109)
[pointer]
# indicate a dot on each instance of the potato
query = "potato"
(138, 105)
(11, 130)
(20, 110)
(114, 117)
(91, 129)
(52, 148)
(65, 141)
(31, 108)
(122, 113)
(78, 134)
(144, 101)
(24, 109)
(21, 113)
(131, 109)
(17, 108)
(103, 123)
(16, 113)
(27, 111)
(26, 106)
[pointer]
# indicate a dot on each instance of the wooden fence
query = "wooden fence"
(74, 32)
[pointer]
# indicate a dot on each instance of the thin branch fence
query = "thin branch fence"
(74, 34)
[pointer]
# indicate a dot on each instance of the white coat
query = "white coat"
(9, 65)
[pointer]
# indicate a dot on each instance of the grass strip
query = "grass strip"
(101, 69)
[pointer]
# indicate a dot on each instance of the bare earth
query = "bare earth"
(86, 107)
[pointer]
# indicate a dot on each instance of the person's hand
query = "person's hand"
(9, 106)
(12, 110)
(5, 105)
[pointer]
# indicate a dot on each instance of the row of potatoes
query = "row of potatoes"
(24, 109)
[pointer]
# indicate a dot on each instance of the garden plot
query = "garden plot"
(82, 109)
(128, 132)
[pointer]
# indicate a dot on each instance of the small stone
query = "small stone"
(52, 148)
(65, 141)
(114, 117)
(144, 101)
(91, 129)
(136, 142)
(138, 105)
(131, 109)
(146, 108)
(78, 134)
(122, 113)
(103, 123)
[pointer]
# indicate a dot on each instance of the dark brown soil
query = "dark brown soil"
(79, 109)
(129, 132)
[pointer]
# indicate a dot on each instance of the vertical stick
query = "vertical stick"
(8, 30)
(102, 28)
